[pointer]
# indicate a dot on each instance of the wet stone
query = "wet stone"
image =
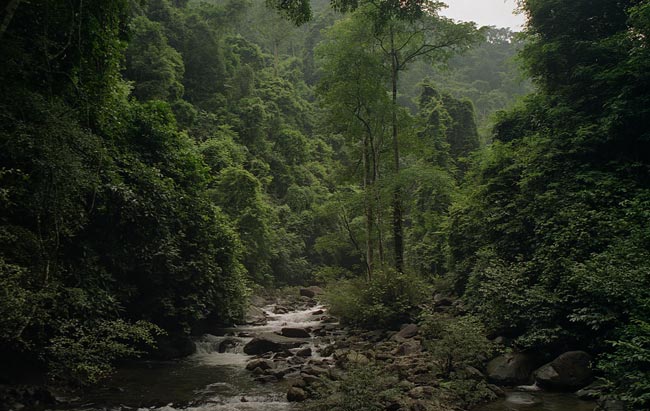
(305, 352)
(296, 394)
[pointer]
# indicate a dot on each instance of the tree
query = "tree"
(155, 68)
(353, 93)
(405, 35)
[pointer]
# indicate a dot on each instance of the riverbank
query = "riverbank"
(397, 369)
(291, 354)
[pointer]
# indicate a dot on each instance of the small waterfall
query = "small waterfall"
(212, 379)
(212, 350)
(211, 344)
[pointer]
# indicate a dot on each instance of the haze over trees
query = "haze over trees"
(160, 159)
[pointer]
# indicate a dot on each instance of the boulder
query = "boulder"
(420, 392)
(440, 300)
(305, 352)
(611, 405)
(591, 392)
(254, 315)
(259, 363)
(569, 371)
(473, 373)
(407, 331)
(408, 348)
(227, 344)
(511, 369)
(496, 390)
(306, 292)
(279, 309)
(291, 332)
(296, 394)
(357, 358)
(270, 342)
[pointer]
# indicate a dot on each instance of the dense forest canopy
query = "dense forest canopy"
(159, 159)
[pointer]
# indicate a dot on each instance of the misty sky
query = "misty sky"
(485, 12)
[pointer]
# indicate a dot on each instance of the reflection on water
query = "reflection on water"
(539, 401)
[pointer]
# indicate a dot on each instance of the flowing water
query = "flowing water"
(538, 401)
(209, 380)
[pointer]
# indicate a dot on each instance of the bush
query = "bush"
(628, 367)
(457, 342)
(84, 354)
(389, 300)
(362, 388)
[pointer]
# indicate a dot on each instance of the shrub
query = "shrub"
(83, 354)
(362, 388)
(628, 367)
(390, 299)
(455, 343)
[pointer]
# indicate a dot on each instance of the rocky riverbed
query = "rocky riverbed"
(290, 348)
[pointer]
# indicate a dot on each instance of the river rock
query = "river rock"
(611, 405)
(226, 344)
(569, 371)
(296, 394)
(305, 352)
(306, 292)
(356, 358)
(496, 390)
(259, 363)
(255, 315)
(424, 391)
(473, 373)
(511, 369)
(440, 300)
(407, 348)
(591, 392)
(292, 332)
(327, 351)
(280, 309)
(407, 331)
(297, 360)
(271, 342)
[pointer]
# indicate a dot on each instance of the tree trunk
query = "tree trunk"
(367, 194)
(377, 197)
(398, 231)
(10, 10)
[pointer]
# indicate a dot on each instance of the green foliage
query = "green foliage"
(389, 300)
(362, 388)
(82, 354)
(155, 68)
(629, 364)
(550, 237)
(455, 343)
(15, 306)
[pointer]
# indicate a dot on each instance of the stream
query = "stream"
(215, 378)
(208, 380)
(538, 401)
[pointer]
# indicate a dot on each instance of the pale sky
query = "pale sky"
(485, 12)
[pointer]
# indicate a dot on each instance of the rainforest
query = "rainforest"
(347, 205)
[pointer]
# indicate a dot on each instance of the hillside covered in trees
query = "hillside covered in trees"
(162, 160)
